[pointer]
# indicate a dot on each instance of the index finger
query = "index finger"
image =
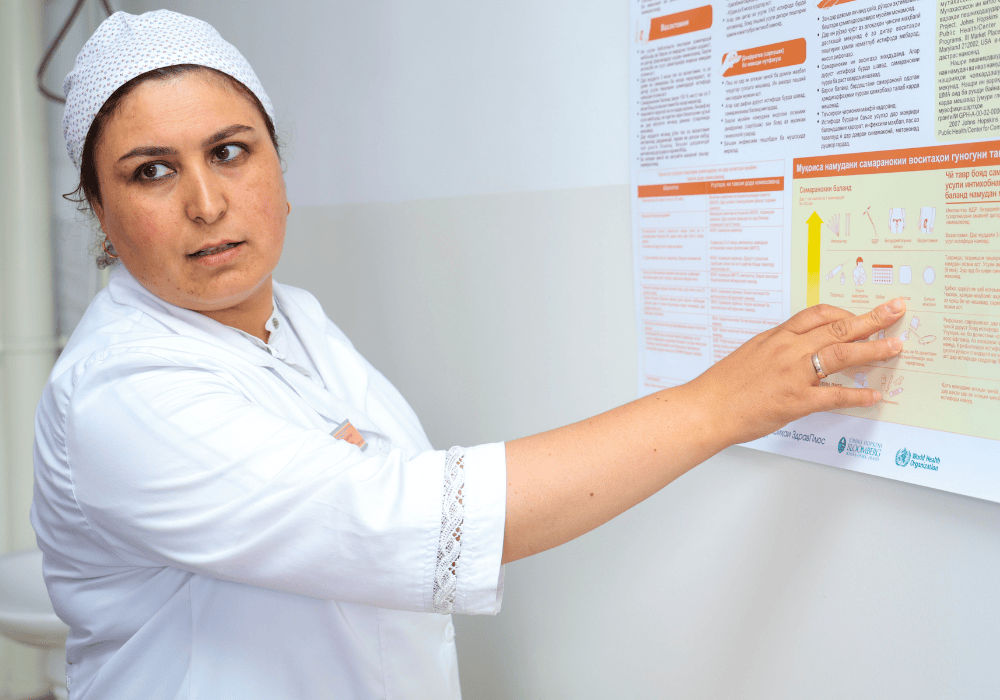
(814, 317)
(846, 330)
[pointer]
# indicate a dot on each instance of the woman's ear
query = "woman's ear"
(98, 211)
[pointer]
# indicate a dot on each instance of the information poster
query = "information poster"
(845, 152)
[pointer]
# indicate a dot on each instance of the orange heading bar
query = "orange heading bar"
(681, 189)
(964, 155)
(680, 23)
(780, 55)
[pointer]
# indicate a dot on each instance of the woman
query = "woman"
(205, 535)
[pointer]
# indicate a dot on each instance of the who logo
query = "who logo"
(903, 457)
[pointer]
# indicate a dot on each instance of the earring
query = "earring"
(110, 253)
(289, 207)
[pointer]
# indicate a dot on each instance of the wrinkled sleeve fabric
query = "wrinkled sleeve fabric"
(178, 466)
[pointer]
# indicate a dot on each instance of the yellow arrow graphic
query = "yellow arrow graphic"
(812, 260)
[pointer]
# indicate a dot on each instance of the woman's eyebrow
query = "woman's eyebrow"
(226, 133)
(147, 151)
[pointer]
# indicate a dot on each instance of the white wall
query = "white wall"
(27, 347)
(73, 234)
(458, 174)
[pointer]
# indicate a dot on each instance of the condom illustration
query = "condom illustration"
(887, 385)
(921, 339)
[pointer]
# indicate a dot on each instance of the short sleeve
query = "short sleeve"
(179, 466)
(471, 543)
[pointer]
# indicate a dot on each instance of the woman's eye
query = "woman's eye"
(228, 152)
(153, 171)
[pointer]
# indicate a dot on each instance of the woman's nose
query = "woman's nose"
(205, 196)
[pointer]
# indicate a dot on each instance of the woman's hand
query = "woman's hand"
(770, 380)
(565, 482)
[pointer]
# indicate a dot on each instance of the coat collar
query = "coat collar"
(126, 290)
(341, 368)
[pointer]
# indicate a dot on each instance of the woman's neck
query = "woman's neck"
(251, 314)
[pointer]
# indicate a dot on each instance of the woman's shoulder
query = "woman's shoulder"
(127, 328)
(113, 348)
(131, 335)
(107, 324)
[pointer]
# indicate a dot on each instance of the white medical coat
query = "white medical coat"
(206, 538)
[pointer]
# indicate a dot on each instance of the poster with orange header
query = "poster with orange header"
(787, 153)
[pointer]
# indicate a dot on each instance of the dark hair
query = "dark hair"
(89, 191)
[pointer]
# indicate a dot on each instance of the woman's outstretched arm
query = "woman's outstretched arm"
(567, 481)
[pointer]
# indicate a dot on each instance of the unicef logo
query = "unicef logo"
(842, 444)
(903, 457)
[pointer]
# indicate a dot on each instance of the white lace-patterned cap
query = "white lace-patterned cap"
(125, 46)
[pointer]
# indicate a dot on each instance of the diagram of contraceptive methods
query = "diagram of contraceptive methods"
(862, 239)
(873, 265)
(881, 267)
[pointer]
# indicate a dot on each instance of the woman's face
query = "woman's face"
(192, 194)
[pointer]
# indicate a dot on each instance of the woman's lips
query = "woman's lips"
(219, 254)
(216, 249)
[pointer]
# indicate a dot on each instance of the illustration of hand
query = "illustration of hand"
(833, 224)
(728, 61)
(640, 31)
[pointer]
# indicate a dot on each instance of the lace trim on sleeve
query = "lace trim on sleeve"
(450, 539)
